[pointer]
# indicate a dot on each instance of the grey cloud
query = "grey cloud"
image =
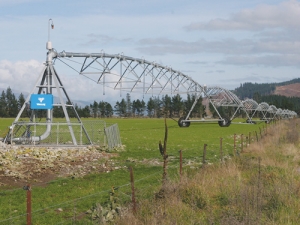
(197, 62)
(216, 71)
(284, 15)
(254, 79)
(226, 46)
(164, 46)
(267, 60)
(94, 39)
(250, 78)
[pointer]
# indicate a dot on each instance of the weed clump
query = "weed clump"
(292, 135)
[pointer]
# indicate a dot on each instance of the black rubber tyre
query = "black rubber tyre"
(183, 124)
(225, 122)
(250, 121)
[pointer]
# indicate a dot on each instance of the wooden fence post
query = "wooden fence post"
(180, 165)
(234, 145)
(204, 155)
(249, 138)
(221, 149)
(260, 133)
(242, 143)
(256, 136)
(132, 190)
(28, 195)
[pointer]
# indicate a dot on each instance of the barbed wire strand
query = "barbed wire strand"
(79, 198)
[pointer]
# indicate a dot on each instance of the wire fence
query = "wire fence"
(75, 210)
(96, 132)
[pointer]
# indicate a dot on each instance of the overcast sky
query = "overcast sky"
(216, 42)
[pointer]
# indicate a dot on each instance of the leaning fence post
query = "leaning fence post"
(221, 149)
(256, 136)
(180, 165)
(204, 154)
(249, 138)
(28, 193)
(234, 145)
(260, 133)
(57, 133)
(132, 190)
(242, 143)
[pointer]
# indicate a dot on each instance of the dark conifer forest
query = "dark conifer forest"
(157, 106)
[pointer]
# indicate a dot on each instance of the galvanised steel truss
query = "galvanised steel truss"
(265, 112)
(218, 97)
(124, 73)
(130, 74)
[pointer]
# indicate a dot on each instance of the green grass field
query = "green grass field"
(4, 125)
(141, 137)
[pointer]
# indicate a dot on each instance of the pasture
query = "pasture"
(67, 199)
(141, 136)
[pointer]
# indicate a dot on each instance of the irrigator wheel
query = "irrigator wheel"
(183, 124)
(250, 121)
(225, 122)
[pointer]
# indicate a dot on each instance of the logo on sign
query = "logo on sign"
(41, 101)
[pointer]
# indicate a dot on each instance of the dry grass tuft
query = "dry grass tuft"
(262, 186)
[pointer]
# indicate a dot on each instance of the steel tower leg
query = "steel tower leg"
(46, 82)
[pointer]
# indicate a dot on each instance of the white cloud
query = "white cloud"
(20, 75)
(267, 60)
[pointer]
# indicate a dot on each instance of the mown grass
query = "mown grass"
(141, 137)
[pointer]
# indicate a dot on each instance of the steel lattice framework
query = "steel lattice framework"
(124, 73)
(129, 74)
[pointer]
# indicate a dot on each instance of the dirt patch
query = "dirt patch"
(20, 165)
(291, 90)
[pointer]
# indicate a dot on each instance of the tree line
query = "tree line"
(155, 107)
(10, 105)
(169, 106)
(248, 89)
(283, 102)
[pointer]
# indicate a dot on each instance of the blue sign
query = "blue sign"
(43, 101)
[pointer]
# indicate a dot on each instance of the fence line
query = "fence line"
(79, 198)
(69, 202)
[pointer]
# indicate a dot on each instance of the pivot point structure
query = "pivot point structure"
(47, 83)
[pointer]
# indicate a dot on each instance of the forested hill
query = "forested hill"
(247, 90)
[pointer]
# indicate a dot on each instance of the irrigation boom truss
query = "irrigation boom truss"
(129, 74)
(124, 73)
